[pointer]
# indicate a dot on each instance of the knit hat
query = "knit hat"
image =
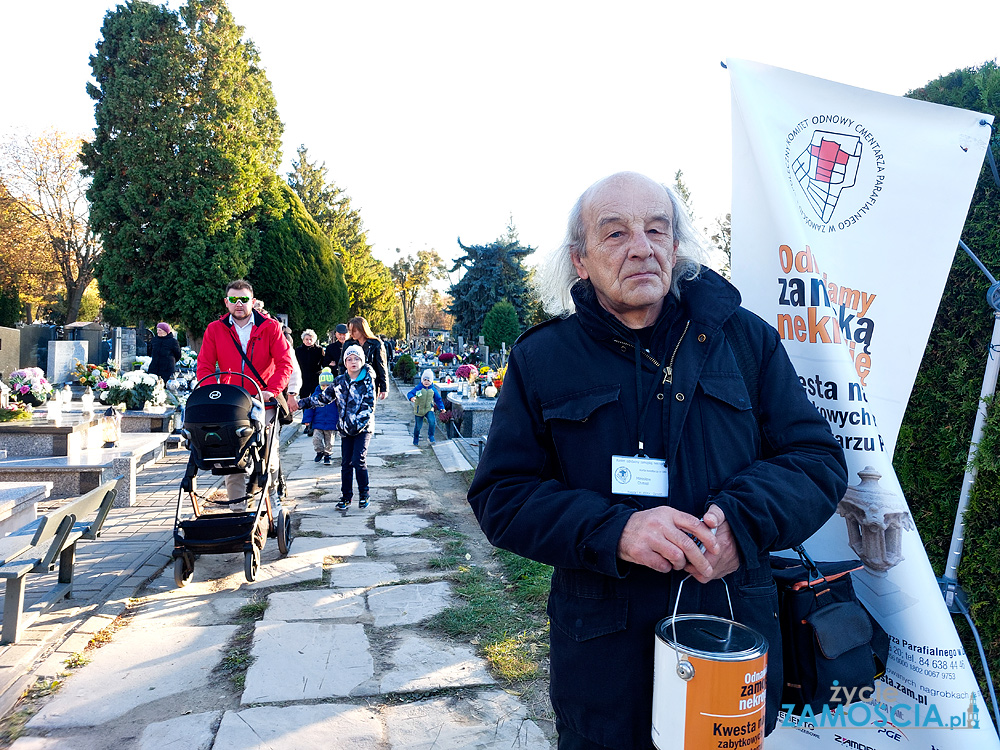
(341, 328)
(356, 351)
(325, 376)
(427, 374)
(165, 327)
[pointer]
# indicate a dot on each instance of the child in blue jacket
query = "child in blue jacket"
(324, 420)
(425, 398)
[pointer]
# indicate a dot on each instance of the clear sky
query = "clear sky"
(443, 119)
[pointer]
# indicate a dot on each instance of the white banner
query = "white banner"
(847, 209)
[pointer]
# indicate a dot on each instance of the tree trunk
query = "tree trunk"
(74, 297)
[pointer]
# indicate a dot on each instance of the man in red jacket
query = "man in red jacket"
(259, 337)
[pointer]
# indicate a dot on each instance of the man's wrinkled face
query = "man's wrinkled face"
(242, 308)
(630, 247)
(341, 337)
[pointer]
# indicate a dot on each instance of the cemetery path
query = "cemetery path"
(327, 648)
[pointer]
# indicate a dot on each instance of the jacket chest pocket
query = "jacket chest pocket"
(724, 409)
(586, 428)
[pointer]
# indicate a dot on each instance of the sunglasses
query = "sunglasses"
(237, 300)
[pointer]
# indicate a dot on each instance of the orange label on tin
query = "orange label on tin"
(728, 710)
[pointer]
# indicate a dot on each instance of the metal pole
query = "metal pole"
(958, 533)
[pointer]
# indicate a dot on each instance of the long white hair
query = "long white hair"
(557, 275)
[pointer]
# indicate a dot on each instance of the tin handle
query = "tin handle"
(685, 670)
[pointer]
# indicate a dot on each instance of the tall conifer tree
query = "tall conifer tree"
(187, 140)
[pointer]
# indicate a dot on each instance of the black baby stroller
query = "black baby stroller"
(227, 433)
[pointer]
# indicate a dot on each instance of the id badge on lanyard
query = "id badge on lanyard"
(638, 475)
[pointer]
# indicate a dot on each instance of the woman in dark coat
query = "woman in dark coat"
(165, 351)
(361, 334)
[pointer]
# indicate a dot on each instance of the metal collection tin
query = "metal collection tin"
(709, 675)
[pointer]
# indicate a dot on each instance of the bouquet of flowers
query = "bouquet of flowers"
(135, 389)
(93, 375)
(466, 372)
(446, 357)
(189, 357)
(29, 386)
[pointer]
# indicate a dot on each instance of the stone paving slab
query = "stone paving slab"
(188, 606)
(140, 666)
(492, 720)
(319, 604)
(335, 523)
(404, 545)
(306, 660)
(358, 574)
(320, 547)
(409, 603)
(401, 524)
(450, 457)
(430, 664)
(283, 571)
(405, 494)
(192, 732)
(329, 725)
(383, 479)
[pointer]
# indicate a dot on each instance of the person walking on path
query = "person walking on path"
(310, 358)
(361, 334)
(164, 352)
(248, 342)
(333, 355)
(354, 393)
(324, 420)
(425, 397)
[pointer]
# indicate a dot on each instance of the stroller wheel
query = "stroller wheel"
(251, 563)
(284, 528)
(183, 569)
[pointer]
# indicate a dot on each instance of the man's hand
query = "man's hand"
(659, 539)
(382, 395)
(726, 559)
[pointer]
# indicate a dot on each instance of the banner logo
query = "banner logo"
(837, 174)
(827, 167)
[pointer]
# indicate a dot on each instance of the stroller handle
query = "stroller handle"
(217, 376)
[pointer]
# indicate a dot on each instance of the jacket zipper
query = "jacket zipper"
(644, 353)
(668, 371)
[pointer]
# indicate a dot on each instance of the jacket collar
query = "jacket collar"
(257, 319)
(708, 299)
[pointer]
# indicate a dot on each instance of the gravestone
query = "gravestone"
(35, 345)
(123, 348)
(461, 346)
(63, 356)
(10, 351)
(91, 333)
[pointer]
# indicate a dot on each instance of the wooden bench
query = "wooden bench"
(34, 548)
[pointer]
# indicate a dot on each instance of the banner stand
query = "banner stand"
(954, 597)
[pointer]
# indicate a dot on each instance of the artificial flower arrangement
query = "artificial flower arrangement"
(446, 358)
(189, 357)
(92, 375)
(466, 372)
(136, 389)
(29, 386)
(141, 363)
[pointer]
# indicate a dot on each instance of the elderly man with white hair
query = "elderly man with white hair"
(654, 430)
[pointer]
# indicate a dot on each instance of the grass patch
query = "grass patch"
(504, 615)
(237, 659)
(453, 546)
(252, 611)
